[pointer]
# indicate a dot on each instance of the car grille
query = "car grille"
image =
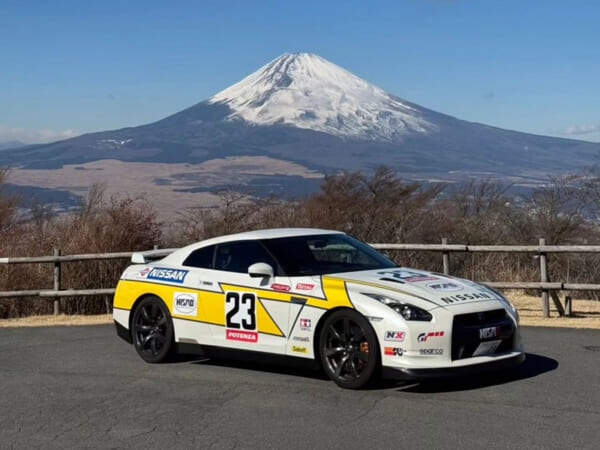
(467, 330)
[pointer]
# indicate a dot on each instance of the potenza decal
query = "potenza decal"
(424, 336)
(301, 338)
(393, 351)
(244, 336)
(185, 304)
(172, 275)
(397, 336)
(444, 287)
(280, 287)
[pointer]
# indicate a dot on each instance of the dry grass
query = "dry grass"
(586, 315)
(586, 312)
(60, 320)
(167, 197)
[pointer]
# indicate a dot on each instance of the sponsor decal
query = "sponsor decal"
(393, 351)
(299, 349)
(185, 304)
(172, 275)
(244, 336)
(464, 297)
(431, 351)
(424, 336)
(490, 332)
(408, 275)
(144, 273)
(444, 287)
(305, 324)
(280, 287)
(301, 338)
(397, 336)
(305, 287)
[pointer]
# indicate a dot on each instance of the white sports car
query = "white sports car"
(315, 294)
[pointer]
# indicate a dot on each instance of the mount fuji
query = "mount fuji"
(305, 110)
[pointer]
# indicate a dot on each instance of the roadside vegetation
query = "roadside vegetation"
(378, 207)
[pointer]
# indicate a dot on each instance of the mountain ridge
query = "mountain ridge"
(292, 109)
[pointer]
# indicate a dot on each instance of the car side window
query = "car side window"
(238, 256)
(202, 258)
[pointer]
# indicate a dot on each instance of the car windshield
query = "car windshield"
(323, 254)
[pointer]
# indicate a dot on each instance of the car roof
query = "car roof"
(273, 233)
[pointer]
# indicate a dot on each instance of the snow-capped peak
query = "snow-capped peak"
(307, 91)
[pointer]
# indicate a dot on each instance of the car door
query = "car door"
(194, 325)
(254, 311)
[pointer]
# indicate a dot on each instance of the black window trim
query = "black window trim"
(278, 270)
(212, 263)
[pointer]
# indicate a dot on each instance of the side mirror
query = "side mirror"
(260, 270)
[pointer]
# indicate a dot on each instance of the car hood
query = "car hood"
(432, 287)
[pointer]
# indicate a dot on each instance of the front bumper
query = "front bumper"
(407, 373)
(123, 332)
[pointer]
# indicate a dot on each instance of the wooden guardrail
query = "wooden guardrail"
(547, 288)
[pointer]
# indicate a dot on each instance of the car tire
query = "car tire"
(152, 330)
(348, 349)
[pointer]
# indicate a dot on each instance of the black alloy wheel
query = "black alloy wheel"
(152, 330)
(348, 349)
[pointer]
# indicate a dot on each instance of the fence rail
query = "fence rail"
(548, 289)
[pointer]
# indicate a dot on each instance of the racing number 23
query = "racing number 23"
(240, 310)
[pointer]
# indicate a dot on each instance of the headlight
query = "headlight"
(406, 310)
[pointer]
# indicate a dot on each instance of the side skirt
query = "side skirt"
(246, 356)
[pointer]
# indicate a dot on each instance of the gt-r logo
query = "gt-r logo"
(397, 336)
(487, 333)
(424, 336)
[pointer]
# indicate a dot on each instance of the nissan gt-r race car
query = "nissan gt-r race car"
(320, 295)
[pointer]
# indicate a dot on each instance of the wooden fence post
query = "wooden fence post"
(56, 281)
(544, 279)
(446, 258)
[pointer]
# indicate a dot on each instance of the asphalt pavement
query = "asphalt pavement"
(82, 387)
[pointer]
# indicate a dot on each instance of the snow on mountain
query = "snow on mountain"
(307, 91)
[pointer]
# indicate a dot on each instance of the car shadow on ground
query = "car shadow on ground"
(282, 365)
(533, 366)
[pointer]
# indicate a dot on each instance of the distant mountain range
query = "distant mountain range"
(11, 144)
(304, 109)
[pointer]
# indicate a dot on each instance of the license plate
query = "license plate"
(487, 348)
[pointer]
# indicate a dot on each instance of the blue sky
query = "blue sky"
(71, 66)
